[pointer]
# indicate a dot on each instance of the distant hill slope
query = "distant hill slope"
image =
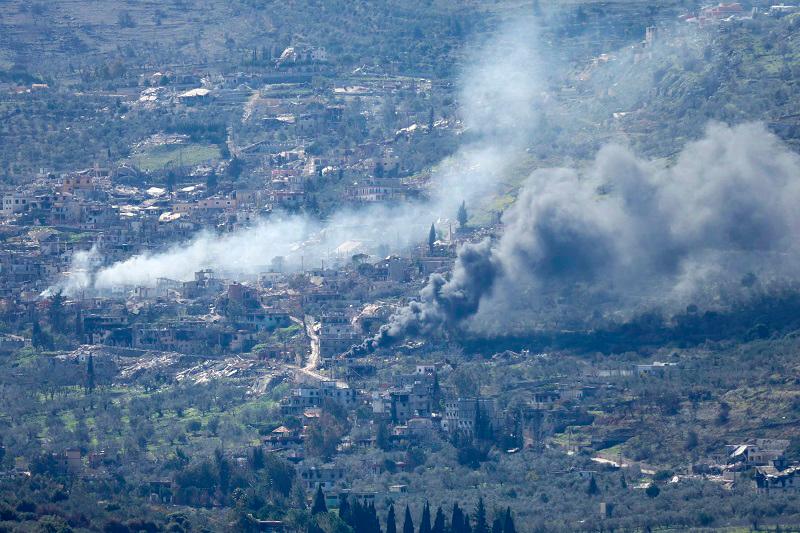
(412, 36)
(739, 71)
(55, 35)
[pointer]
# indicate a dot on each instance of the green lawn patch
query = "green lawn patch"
(175, 156)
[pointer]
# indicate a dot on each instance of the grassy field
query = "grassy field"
(175, 156)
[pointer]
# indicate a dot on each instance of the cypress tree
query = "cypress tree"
(79, 326)
(376, 523)
(38, 338)
(457, 520)
(437, 391)
(408, 523)
(358, 519)
(483, 425)
(438, 522)
(224, 472)
(90, 375)
(462, 215)
(212, 181)
(382, 436)
(592, 489)
(355, 513)
(431, 238)
(56, 312)
(258, 462)
(508, 523)
(425, 522)
(319, 505)
(481, 525)
(391, 521)
(345, 511)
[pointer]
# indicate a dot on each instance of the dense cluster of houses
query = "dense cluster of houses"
(55, 226)
(54, 216)
(60, 226)
(406, 411)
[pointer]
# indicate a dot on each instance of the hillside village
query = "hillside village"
(232, 402)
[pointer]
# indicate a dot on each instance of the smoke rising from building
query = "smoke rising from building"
(620, 235)
(500, 106)
(84, 263)
(624, 234)
(444, 302)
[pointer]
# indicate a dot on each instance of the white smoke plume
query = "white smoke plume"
(502, 93)
(83, 265)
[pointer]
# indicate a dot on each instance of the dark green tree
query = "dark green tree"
(438, 522)
(171, 180)
(408, 523)
(345, 511)
(592, 489)
(462, 215)
(212, 181)
(436, 392)
(257, 459)
(356, 512)
(497, 525)
(692, 440)
(281, 474)
(374, 522)
(382, 436)
(39, 338)
(235, 168)
(90, 374)
(79, 325)
(319, 505)
(425, 521)
(391, 521)
(431, 238)
(56, 312)
(363, 518)
(483, 425)
(457, 520)
(508, 522)
(481, 521)
(723, 415)
(223, 470)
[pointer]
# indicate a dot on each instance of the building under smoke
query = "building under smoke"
(624, 234)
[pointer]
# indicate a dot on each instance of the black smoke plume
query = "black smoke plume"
(624, 235)
(443, 302)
